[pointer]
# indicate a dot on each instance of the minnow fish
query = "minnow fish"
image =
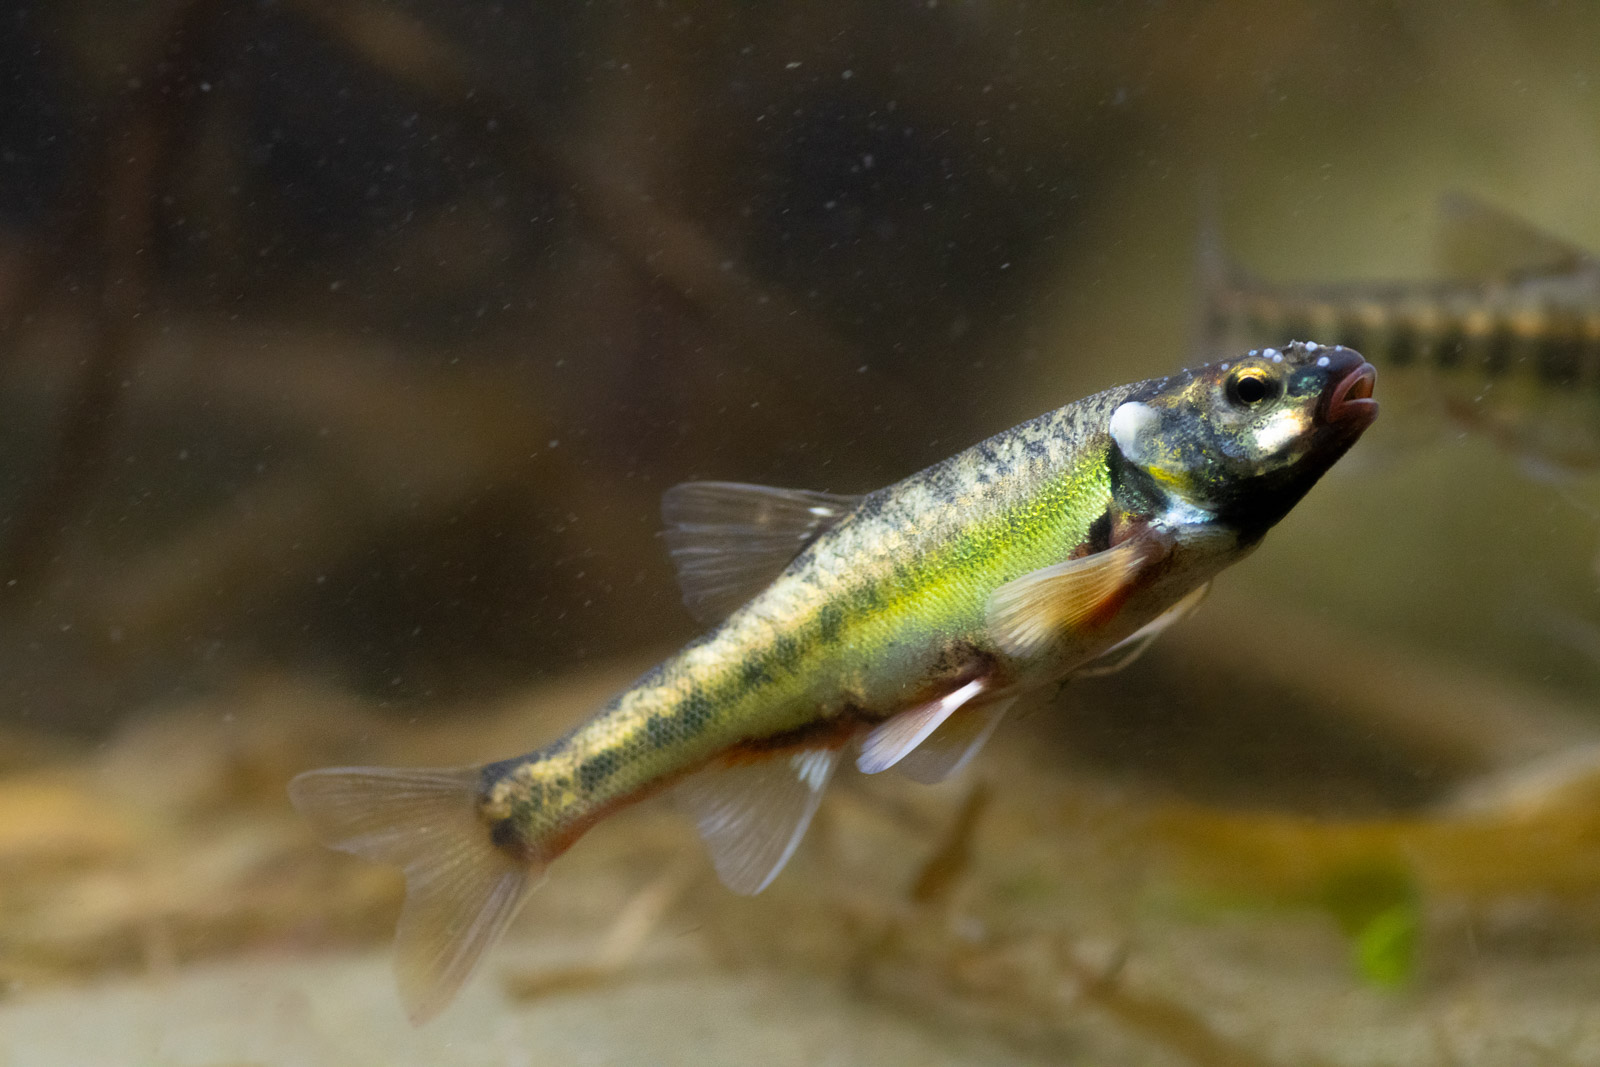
(905, 621)
(1513, 351)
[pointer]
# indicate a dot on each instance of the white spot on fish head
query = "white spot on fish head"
(1280, 429)
(1224, 366)
(1312, 346)
(1273, 354)
(1130, 422)
(1255, 352)
(1322, 361)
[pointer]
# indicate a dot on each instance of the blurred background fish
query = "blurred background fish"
(1506, 344)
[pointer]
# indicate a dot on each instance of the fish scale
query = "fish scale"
(910, 552)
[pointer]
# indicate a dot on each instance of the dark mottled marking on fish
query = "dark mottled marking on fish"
(659, 730)
(597, 768)
(753, 672)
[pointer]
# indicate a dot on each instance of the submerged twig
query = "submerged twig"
(661, 246)
(621, 944)
(1161, 1019)
(952, 859)
(369, 475)
(136, 163)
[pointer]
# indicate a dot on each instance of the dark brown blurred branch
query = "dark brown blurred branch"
(952, 859)
(133, 163)
(662, 246)
(418, 444)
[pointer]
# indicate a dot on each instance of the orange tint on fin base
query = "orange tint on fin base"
(1028, 613)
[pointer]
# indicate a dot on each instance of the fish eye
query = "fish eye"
(1250, 386)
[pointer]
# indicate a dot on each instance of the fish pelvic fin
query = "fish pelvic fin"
(895, 738)
(1130, 648)
(752, 809)
(462, 889)
(947, 751)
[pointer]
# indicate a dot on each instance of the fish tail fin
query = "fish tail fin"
(462, 889)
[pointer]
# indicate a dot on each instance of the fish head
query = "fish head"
(1242, 441)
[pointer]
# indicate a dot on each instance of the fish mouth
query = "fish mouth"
(1350, 403)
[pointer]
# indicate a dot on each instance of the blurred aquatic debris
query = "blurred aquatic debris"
(1506, 345)
(175, 844)
(620, 948)
(1069, 910)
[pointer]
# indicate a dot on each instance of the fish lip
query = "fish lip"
(1350, 403)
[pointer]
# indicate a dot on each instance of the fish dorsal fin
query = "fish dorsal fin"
(753, 809)
(1478, 241)
(461, 890)
(892, 740)
(948, 750)
(1130, 648)
(1218, 272)
(1029, 612)
(729, 540)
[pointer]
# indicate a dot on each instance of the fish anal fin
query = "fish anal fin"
(1477, 241)
(895, 738)
(462, 891)
(752, 809)
(947, 751)
(1130, 648)
(729, 540)
(1026, 614)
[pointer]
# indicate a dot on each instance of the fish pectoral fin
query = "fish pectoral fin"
(1478, 240)
(1029, 612)
(1130, 648)
(894, 738)
(729, 540)
(753, 809)
(947, 751)
(461, 890)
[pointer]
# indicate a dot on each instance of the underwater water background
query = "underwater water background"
(348, 348)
